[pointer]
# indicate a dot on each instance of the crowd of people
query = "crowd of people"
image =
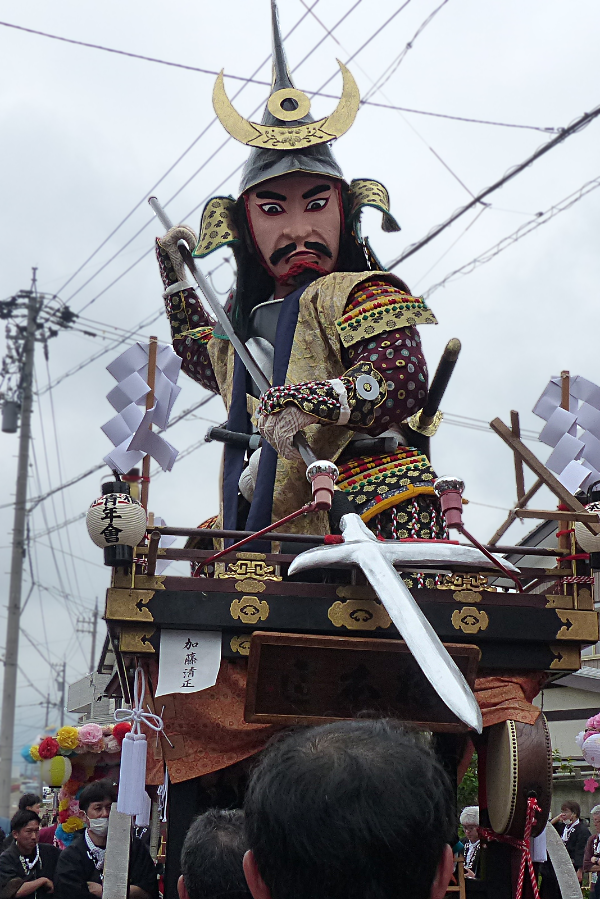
(329, 814)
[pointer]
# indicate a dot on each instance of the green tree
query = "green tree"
(469, 786)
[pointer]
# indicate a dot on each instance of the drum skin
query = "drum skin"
(519, 765)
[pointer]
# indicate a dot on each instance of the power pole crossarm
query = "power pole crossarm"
(7, 723)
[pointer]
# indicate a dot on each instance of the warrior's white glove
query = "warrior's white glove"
(279, 428)
(169, 243)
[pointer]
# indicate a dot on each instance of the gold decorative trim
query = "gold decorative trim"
(241, 644)
(142, 581)
(567, 658)
(128, 605)
(466, 582)
(429, 430)
(366, 192)
(251, 571)
(578, 626)
(559, 601)
(137, 640)
(469, 620)
(359, 615)
(217, 227)
(297, 137)
(250, 609)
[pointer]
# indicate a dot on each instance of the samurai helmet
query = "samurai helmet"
(288, 139)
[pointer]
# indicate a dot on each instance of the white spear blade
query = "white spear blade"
(361, 547)
(428, 650)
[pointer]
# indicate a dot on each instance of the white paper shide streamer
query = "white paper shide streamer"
(573, 433)
(133, 799)
(130, 431)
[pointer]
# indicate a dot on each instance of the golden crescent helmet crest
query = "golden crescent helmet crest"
(288, 139)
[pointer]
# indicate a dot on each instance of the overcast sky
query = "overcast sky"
(88, 134)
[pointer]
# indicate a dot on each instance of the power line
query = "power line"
(188, 181)
(171, 167)
(539, 220)
(251, 80)
(575, 127)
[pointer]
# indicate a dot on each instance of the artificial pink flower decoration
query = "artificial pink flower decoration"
(90, 734)
(590, 785)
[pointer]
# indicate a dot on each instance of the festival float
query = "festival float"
(338, 578)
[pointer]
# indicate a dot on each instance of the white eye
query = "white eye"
(272, 208)
(319, 203)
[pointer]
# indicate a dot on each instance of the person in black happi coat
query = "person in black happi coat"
(26, 868)
(80, 869)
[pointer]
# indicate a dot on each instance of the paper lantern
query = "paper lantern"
(55, 772)
(586, 540)
(116, 518)
(591, 750)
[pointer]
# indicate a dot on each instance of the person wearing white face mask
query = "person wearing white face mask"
(80, 869)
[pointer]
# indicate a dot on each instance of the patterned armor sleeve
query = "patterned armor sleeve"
(378, 328)
(386, 379)
(191, 328)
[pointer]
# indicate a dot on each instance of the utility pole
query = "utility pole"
(61, 683)
(25, 324)
(90, 626)
(11, 653)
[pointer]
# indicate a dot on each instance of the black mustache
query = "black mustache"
(280, 254)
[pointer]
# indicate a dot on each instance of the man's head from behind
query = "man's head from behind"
(211, 858)
(354, 810)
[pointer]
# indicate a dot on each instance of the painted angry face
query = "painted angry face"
(295, 222)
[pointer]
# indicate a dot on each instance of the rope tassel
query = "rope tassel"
(133, 799)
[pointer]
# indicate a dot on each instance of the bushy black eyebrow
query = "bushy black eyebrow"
(269, 195)
(319, 189)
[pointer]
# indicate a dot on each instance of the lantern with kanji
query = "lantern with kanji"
(117, 522)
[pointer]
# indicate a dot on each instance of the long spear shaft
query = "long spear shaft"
(262, 382)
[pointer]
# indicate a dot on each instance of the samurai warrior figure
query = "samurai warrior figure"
(335, 333)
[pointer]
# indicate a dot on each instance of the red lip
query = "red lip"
(300, 253)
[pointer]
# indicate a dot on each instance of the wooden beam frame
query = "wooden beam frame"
(543, 473)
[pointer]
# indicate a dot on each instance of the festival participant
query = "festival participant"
(469, 818)
(591, 856)
(30, 802)
(574, 833)
(80, 869)
(330, 814)
(211, 860)
(26, 868)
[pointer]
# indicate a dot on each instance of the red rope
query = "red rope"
(565, 532)
(523, 846)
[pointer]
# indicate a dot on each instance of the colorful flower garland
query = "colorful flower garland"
(76, 741)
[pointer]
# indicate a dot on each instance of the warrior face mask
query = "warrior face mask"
(295, 222)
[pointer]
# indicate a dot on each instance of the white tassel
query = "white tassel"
(143, 819)
(133, 799)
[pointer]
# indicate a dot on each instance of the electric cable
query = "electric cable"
(577, 125)
(170, 169)
(539, 220)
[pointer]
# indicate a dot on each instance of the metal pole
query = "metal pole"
(94, 632)
(11, 654)
(63, 698)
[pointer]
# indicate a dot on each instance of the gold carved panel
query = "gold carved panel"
(470, 620)
(359, 615)
(250, 609)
